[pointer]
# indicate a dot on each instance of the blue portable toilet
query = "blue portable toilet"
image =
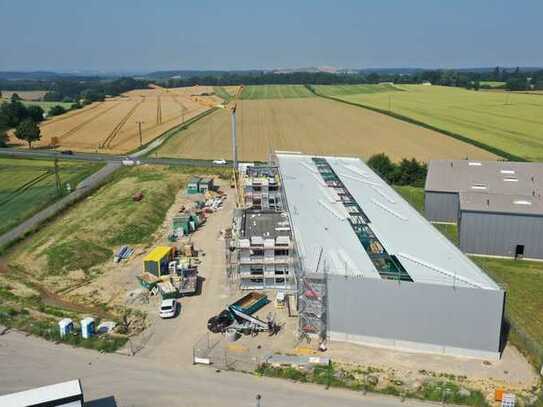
(87, 327)
(66, 326)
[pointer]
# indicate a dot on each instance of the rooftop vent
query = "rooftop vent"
(475, 164)
(522, 202)
(478, 186)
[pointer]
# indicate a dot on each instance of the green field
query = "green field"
(275, 92)
(492, 84)
(222, 93)
(510, 123)
(343, 90)
(14, 173)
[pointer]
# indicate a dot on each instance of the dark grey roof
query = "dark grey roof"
(267, 224)
(501, 203)
(489, 186)
(496, 177)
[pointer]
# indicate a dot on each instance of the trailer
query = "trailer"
(250, 303)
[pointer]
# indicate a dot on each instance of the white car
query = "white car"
(219, 162)
(168, 308)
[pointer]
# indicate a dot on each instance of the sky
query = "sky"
(136, 35)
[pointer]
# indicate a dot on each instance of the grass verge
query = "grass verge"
(438, 390)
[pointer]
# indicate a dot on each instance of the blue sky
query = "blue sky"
(203, 34)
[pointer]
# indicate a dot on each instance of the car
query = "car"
(219, 162)
(168, 308)
(67, 152)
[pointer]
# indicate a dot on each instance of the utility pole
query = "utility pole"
(139, 131)
(57, 177)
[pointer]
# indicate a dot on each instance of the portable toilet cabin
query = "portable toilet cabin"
(193, 186)
(156, 262)
(66, 326)
(87, 327)
(205, 185)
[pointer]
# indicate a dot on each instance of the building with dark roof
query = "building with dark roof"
(497, 205)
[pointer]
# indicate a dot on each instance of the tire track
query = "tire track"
(66, 117)
(107, 141)
(158, 110)
(74, 130)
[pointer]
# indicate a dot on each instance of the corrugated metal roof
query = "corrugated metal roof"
(424, 252)
(499, 178)
(158, 253)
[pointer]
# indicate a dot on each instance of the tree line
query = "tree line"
(406, 172)
(24, 119)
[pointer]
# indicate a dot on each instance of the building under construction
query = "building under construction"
(261, 188)
(261, 255)
(371, 270)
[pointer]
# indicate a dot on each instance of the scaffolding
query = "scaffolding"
(313, 303)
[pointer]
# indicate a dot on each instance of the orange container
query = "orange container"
(498, 394)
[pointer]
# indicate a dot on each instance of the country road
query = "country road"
(11, 152)
(115, 380)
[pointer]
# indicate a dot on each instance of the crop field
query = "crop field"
(335, 90)
(112, 126)
(312, 125)
(493, 84)
(275, 92)
(24, 94)
(508, 122)
(20, 197)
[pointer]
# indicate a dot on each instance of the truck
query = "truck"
(250, 303)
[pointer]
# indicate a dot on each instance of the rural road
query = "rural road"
(115, 380)
(11, 152)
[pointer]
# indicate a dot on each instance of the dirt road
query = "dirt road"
(173, 339)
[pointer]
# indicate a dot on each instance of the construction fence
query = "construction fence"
(216, 351)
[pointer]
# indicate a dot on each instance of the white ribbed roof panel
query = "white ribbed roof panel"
(424, 252)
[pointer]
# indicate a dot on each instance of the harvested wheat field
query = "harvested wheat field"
(112, 126)
(315, 126)
(24, 94)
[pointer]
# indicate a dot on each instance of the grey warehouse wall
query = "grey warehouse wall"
(441, 206)
(499, 234)
(461, 321)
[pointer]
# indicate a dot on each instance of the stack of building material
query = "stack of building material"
(123, 253)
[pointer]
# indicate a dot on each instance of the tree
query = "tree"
(35, 113)
(15, 97)
(28, 131)
(381, 164)
(56, 110)
(3, 136)
(14, 113)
